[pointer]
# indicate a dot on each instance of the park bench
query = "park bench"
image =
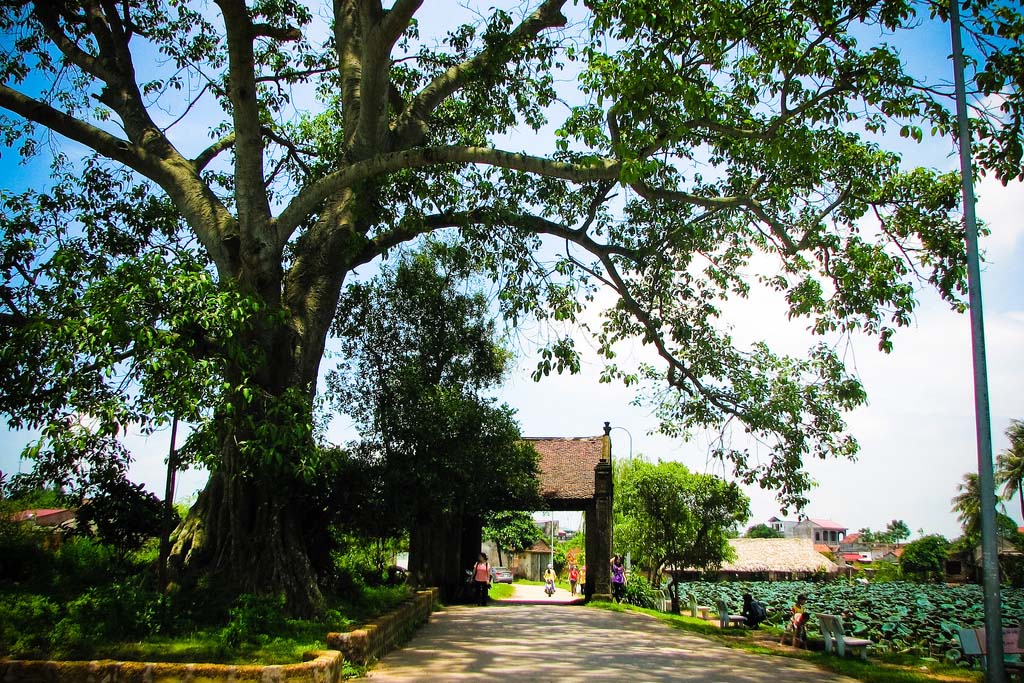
(695, 608)
(973, 643)
(726, 618)
(832, 631)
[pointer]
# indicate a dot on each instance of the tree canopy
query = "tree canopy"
(762, 530)
(677, 519)
(242, 160)
(925, 558)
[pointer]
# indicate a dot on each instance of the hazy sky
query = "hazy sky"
(917, 435)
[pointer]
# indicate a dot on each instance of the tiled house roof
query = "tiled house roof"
(567, 466)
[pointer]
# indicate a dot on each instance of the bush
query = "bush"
(82, 562)
(26, 621)
(639, 592)
(253, 619)
(117, 611)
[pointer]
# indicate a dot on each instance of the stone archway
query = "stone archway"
(575, 475)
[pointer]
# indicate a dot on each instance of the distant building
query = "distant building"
(822, 531)
(783, 526)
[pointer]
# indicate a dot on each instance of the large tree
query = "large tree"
(699, 139)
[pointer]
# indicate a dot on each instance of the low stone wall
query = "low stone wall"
(379, 637)
(323, 666)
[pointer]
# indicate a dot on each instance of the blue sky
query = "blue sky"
(917, 434)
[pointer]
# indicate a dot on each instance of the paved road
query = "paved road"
(550, 642)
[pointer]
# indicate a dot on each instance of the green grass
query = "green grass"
(880, 668)
(500, 591)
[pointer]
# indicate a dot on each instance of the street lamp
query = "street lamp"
(630, 440)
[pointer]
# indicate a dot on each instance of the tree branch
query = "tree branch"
(308, 201)
(410, 124)
(74, 129)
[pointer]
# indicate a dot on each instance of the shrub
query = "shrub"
(639, 592)
(117, 611)
(253, 619)
(26, 621)
(83, 562)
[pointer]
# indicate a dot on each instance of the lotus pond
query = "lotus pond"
(898, 616)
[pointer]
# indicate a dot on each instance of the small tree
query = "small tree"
(896, 531)
(1010, 464)
(762, 531)
(513, 531)
(681, 517)
(925, 559)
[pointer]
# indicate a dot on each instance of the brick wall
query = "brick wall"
(379, 637)
(322, 667)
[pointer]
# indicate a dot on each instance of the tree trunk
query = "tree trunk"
(246, 534)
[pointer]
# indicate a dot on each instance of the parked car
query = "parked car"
(502, 575)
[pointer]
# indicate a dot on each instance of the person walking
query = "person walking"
(574, 579)
(482, 579)
(618, 579)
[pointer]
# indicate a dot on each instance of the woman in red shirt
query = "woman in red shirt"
(482, 578)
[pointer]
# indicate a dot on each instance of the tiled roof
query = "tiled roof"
(851, 538)
(822, 548)
(567, 466)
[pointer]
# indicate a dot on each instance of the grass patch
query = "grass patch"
(880, 668)
(501, 591)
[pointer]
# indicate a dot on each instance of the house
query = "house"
(531, 563)
(820, 531)
(45, 517)
(771, 559)
(783, 526)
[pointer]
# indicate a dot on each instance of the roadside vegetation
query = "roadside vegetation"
(880, 668)
(82, 598)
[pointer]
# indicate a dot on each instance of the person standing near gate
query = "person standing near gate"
(482, 579)
(574, 578)
(618, 579)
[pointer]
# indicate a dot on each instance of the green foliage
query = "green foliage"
(897, 616)
(762, 531)
(26, 622)
(925, 559)
(1010, 463)
(511, 531)
(706, 153)
(674, 517)
(639, 592)
(253, 619)
(125, 515)
(416, 355)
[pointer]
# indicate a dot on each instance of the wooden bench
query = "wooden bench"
(973, 643)
(727, 619)
(695, 608)
(832, 631)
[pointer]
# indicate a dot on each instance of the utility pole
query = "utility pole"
(995, 672)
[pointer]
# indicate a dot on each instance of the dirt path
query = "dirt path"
(548, 642)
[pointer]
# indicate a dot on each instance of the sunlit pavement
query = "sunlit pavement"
(549, 642)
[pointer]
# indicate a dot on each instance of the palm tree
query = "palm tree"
(967, 504)
(1010, 464)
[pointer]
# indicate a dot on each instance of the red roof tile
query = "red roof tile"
(822, 548)
(567, 466)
